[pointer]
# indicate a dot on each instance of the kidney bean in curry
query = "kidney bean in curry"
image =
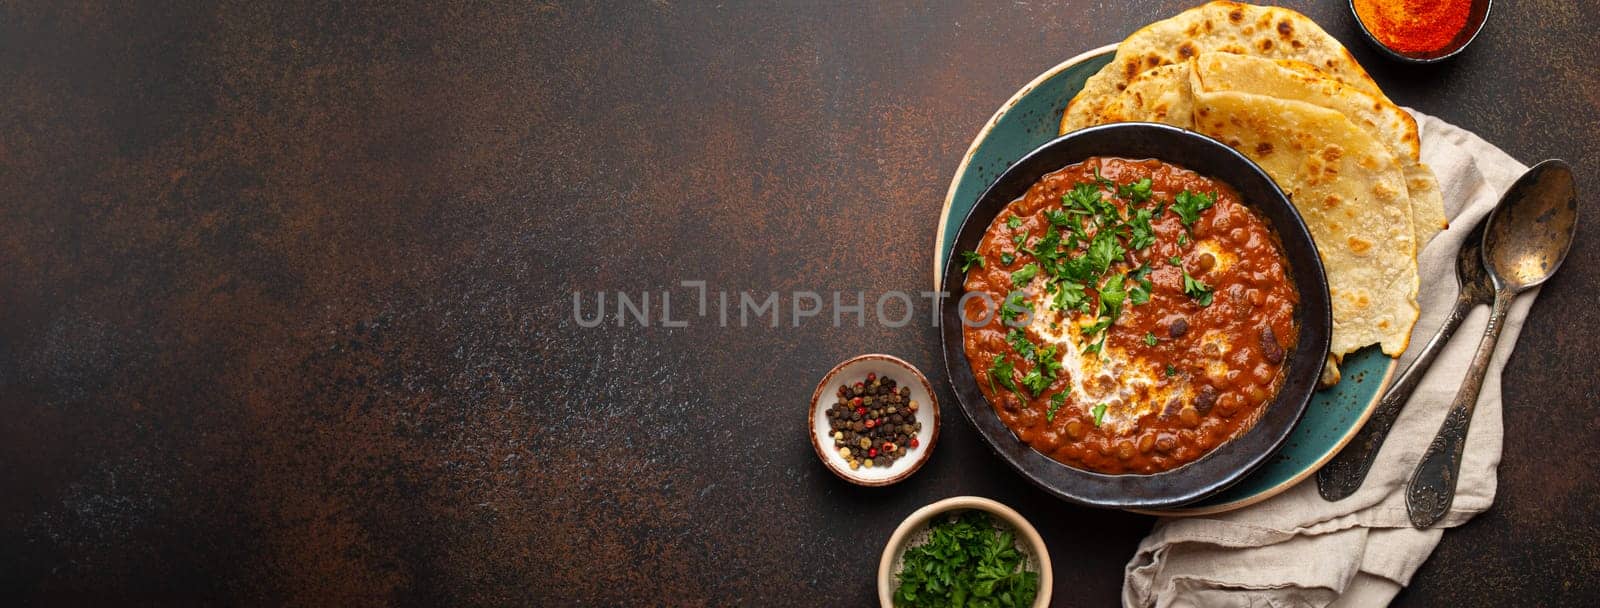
(1141, 315)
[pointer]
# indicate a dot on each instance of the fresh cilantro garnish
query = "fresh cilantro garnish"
(1019, 342)
(1149, 338)
(1183, 239)
(1019, 239)
(1080, 269)
(1048, 250)
(1049, 363)
(1137, 192)
(1056, 401)
(1171, 371)
(1025, 274)
(1141, 233)
(1140, 292)
(968, 258)
(1096, 346)
(1070, 296)
(966, 561)
(1188, 205)
(1112, 294)
(1035, 381)
(1101, 181)
(1014, 222)
(1100, 324)
(1099, 413)
(1085, 199)
(1104, 250)
(1197, 290)
(1174, 260)
(1015, 310)
(1007, 258)
(1000, 370)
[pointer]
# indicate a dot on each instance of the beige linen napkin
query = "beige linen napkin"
(1296, 549)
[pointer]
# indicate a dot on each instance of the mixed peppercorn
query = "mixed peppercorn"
(874, 422)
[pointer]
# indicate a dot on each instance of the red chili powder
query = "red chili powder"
(1414, 26)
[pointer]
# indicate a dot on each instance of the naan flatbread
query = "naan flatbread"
(1390, 125)
(1264, 31)
(1157, 95)
(1352, 193)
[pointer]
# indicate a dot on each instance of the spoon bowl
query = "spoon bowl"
(1527, 241)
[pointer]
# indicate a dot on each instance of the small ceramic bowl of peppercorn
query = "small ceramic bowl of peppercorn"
(874, 419)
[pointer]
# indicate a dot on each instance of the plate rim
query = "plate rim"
(938, 276)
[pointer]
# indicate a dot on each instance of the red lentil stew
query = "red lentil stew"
(1128, 316)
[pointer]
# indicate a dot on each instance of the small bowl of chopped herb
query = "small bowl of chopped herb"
(964, 551)
(874, 419)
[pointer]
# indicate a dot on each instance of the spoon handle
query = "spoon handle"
(1342, 475)
(1433, 484)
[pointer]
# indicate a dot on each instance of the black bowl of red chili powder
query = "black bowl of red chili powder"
(1421, 31)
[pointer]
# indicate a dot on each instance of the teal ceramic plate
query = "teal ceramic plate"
(1032, 117)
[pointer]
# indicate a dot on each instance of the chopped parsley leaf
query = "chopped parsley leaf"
(1136, 192)
(1019, 341)
(1141, 234)
(1006, 258)
(1174, 260)
(1188, 205)
(1099, 414)
(1171, 371)
(1025, 274)
(1101, 181)
(1140, 292)
(1000, 370)
(1096, 346)
(1196, 289)
(1035, 381)
(1056, 401)
(1014, 222)
(1084, 199)
(1013, 309)
(1104, 250)
(1070, 296)
(1049, 363)
(968, 258)
(1099, 325)
(1112, 294)
(1149, 338)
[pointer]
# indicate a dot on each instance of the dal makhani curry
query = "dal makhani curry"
(1136, 315)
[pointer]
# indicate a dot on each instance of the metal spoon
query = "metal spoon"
(1525, 241)
(1343, 475)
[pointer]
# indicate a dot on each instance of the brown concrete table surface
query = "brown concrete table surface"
(286, 292)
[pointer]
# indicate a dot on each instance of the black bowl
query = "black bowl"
(1477, 15)
(1229, 462)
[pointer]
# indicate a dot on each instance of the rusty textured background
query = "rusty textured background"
(286, 316)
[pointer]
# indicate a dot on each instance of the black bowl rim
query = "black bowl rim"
(1224, 465)
(1477, 28)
